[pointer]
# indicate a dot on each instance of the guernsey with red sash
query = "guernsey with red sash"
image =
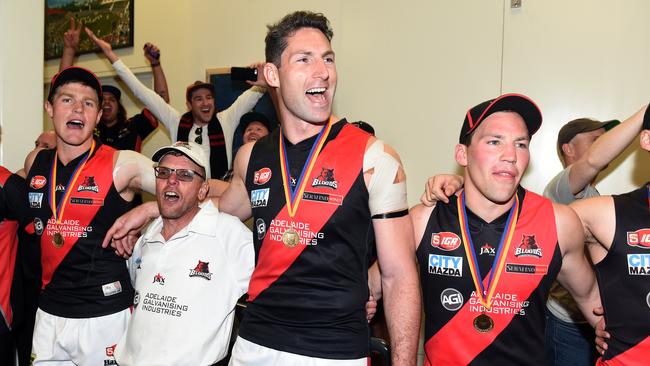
(505, 326)
(624, 281)
(309, 288)
(73, 206)
(8, 249)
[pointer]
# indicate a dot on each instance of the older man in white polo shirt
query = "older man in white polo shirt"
(189, 268)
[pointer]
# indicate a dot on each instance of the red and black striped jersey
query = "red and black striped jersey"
(80, 278)
(451, 305)
(624, 280)
(310, 299)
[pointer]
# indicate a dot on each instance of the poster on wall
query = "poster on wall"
(111, 20)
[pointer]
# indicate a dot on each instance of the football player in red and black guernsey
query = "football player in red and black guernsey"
(618, 239)
(75, 192)
(488, 257)
(319, 189)
(12, 186)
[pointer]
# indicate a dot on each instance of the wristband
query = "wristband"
(156, 63)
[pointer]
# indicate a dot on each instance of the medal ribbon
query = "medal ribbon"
(57, 210)
(293, 196)
(499, 258)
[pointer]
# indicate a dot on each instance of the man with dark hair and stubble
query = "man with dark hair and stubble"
(334, 188)
(319, 190)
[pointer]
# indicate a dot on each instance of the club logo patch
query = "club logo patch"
(259, 197)
(445, 265)
(38, 182)
(201, 270)
(445, 240)
(260, 226)
(528, 247)
(639, 238)
(59, 188)
(35, 199)
(451, 299)
(638, 264)
(325, 179)
(262, 176)
(88, 185)
(158, 278)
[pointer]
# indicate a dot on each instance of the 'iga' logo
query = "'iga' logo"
(445, 240)
(639, 238)
(262, 176)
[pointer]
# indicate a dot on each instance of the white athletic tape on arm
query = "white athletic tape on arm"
(385, 195)
(139, 164)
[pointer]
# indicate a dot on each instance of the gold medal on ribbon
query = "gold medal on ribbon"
(290, 238)
(57, 240)
(483, 323)
(59, 209)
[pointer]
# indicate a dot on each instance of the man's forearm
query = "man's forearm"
(402, 306)
(160, 81)
(608, 146)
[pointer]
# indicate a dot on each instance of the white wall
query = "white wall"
(413, 69)
(21, 79)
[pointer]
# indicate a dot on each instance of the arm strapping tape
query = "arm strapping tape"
(137, 163)
(385, 195)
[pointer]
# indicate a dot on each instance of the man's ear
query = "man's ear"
(567, 150)
(49, 109)
(188, 104)
(203, 191)
(271, 74)
(461, 155)
(645, 140)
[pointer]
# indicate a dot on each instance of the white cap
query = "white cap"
(190, 149)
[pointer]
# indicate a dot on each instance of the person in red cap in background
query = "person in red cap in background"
(202, 124)
(488, 257)
(114, 129)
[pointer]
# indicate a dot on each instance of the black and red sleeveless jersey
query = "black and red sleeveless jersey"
(9, 185)
(80, 278)
(450, 301)
(624, 280)
(310, 299)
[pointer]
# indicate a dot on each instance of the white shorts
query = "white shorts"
(246, 353)
(85, 341)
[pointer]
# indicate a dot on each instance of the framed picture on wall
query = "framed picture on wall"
(111, 20)
(226, 92)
